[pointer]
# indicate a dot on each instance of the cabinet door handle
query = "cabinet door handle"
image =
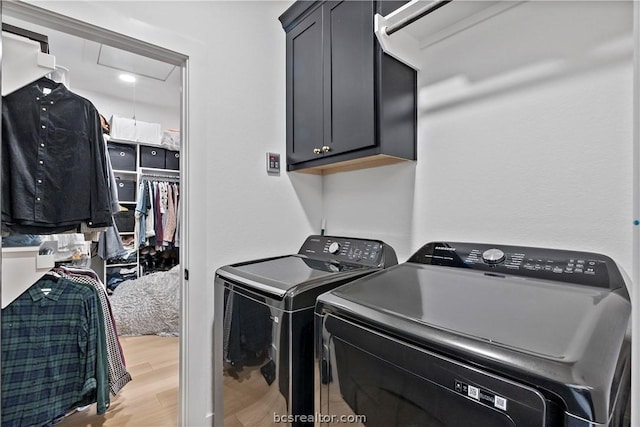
(326, 148)
(316, 151)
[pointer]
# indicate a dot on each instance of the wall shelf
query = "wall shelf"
(22, 267)
(415, 26)
(23, 62)
(127, 264)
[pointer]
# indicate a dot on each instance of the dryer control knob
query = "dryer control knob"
(334, 247)
(493, 256)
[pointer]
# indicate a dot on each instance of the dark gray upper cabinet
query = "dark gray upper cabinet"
(348, 104)
(305, 87)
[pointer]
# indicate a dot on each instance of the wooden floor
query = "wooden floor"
(151, 398)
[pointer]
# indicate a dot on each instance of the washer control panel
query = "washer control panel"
(583, 268)
(372, 253)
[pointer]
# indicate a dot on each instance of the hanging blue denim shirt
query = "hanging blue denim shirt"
(142, 208)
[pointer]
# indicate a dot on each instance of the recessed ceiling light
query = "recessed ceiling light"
(127, 78)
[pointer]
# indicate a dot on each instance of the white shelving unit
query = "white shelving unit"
(136, 175)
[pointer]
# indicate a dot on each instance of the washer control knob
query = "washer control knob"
(493, 256)
(334, 247)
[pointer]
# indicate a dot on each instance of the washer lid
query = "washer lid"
(277, 276)
(538, 317)
(567, 338)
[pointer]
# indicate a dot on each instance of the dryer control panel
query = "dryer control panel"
(584, 268)
(370, 253)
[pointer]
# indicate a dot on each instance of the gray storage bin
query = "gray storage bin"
(123, 156)
(152, 157)
(126, 190)
(125, 221)
(172, 160)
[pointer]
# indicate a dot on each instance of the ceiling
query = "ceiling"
(96, 67)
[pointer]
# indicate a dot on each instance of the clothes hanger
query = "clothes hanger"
(53, 273)
(46, 85)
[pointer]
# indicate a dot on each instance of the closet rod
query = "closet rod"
(413, 18)
(151, 177)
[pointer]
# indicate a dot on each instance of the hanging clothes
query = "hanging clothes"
(118, 375)
(113, 184)
(176, 193)
(150, 227)
(151, 214)
(164, 209)
(109, 243)
(170, 225)
(141, 213)
(157, 214)
(54, 173)
(53, 353)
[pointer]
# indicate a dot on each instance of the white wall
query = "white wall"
(237, 113)
(168, 118)
(524, 137)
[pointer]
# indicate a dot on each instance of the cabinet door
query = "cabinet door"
(305, 89)
(349, 80)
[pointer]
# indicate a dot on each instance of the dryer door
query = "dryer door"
(381, 381)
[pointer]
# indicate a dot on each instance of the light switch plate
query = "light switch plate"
(273, 163)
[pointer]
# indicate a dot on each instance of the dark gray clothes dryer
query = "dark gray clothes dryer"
(263, 328)
(467, 334)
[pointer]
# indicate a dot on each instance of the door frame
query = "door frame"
(62, 23)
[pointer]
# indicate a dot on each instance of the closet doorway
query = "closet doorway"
(89, 62)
